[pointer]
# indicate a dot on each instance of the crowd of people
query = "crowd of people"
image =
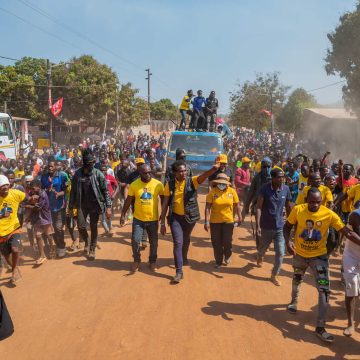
(299, 204)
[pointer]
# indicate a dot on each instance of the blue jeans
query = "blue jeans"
(138, 229)
(267, 236)
(180, 231)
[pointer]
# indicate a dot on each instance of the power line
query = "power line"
(9, 58)
(58, 86)
(326, 86)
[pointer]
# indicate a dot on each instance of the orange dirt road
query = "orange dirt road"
(77, 309)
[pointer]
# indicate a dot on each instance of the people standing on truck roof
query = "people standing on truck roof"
(198, 117)
(180, 198)
(210, 112)
(222, 204)
(185, 108)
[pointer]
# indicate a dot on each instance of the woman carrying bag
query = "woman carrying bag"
(222, 203)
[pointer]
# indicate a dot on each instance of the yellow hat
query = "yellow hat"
(223, 159)
(139, 161)
(245, 160)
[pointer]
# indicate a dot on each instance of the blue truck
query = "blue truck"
(201, 149)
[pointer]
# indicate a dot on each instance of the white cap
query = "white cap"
(4, 180)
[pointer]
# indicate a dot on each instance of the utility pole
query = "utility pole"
(117, 111)
(272, 117)
(148, 79)
(5, 106)
(49, 84)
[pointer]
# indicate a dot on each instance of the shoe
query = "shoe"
(86, 250)
(61, 253)
(135, 266)
(91, 255)
(178, 277)
(152, 267)
(259, 260)
(40, 260)
(292, 308)
(275, 280)
(217, 266)
(73, 246)
(144, 244)
(227, 261)
(323, 335)
(185, 262)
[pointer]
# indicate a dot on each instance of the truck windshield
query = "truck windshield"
(5, 128)
(196, 145)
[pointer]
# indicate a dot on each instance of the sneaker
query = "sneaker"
(86, 250)
(324, 335)
(152, 267)
(259, 260)
(275, 280)
(292, 308)
(135, 266)
(178, 277)
(40, 260)
(91, 255)
(227, 261)
(61, 253)
(217, 266)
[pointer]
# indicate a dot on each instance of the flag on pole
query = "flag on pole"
(57, 107)
(266, 112)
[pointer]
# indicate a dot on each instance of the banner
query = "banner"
(57, 107)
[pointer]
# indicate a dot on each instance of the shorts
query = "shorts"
(43, 230)
(351, 275)
(13, 241)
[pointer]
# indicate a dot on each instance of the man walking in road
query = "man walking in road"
(145, 192)
(272, 200)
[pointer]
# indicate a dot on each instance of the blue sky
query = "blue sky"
(208, 45)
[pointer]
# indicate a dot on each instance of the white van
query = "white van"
(8, 144)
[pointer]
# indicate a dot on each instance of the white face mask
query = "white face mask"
(221, 186)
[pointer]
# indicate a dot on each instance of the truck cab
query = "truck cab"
(8, 144)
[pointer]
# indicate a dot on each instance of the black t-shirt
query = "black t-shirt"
(228, 173)
(88, 197)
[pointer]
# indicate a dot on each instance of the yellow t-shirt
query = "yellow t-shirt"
(11, 201)
(179, 194)
(303, 181)
(19, 173)
(185, 105)
(114, 164)
(354, 194)
(222, 208)
(325, 194)
(146, 207)
(312, 229)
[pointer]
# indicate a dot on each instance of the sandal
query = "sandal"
(292, 309)
(323, 335)
(40, 260)
(15, 278)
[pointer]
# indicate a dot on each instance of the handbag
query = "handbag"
(6, 324)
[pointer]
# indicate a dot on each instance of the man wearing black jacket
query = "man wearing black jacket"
(211, 107)
(90, 195)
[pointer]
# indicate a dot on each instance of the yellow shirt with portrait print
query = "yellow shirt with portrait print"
(354, 194)
(303, 181)
(11, 202)
(222, 205)
(312, 243)
(19, 173)
(146, 207)
(326, 195)
(178, 207)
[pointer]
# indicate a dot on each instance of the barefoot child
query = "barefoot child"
(40, 219)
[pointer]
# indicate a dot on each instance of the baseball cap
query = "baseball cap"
(4, 180)
(223, 159)
(139, 161)
(245, 160)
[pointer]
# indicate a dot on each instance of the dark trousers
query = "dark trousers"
(181, 231)
(210, 122)
(138, 229)
(198, 120)
(221, 239)
(58, 221)
(94, 218)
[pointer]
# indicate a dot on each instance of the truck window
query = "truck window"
(196, 145)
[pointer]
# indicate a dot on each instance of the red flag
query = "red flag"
(57, 107)
(266, 112)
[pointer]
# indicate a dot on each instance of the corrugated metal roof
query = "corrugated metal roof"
(336, 113)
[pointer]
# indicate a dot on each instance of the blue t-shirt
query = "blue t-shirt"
(198, 103)
(58, 183)
(294, 186)
(273, 206)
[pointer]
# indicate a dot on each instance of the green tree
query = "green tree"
(164, 109)
(248, 99)
(343, 57)
(291, 116)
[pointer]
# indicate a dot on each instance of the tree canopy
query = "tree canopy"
(164, 109)
(343, 57)
(264, 93)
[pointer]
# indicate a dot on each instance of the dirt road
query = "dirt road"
(76, 309)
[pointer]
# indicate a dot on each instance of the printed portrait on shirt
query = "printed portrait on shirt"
(145, 195)
(310, 234)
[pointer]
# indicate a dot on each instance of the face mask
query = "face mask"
(221, 187)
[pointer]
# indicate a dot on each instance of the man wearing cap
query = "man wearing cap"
(258, 181)
(9, 225)
(242, 178)
(223, 169)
